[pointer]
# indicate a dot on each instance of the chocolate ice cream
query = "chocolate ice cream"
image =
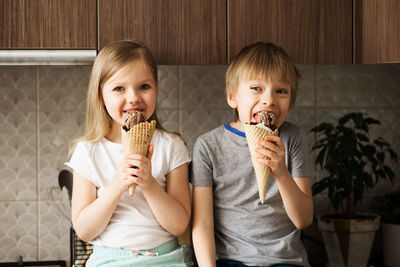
(133, 118)
(269, 119)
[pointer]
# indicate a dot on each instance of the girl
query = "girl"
(128, 230)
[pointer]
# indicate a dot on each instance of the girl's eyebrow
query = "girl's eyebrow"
(148, 80)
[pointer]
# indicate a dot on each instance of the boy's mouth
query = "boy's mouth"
(260, 115)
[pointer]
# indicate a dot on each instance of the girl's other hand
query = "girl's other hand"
(272, 148)
(141, 170)
(134, 169)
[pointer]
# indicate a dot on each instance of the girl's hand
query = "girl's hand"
(134, 169)
(140, 169)
(273, 148)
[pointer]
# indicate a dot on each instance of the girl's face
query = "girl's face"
(131, 88)
(254, 96)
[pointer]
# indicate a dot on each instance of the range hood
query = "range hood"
(41, 57)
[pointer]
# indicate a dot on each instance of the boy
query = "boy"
(230, 224)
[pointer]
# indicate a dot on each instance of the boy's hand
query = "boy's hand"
(272, 148)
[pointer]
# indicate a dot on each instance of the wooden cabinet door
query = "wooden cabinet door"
(311, 31)
(377, 31)
(48, 24)
(176, 31)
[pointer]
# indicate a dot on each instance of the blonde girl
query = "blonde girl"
(128, 230)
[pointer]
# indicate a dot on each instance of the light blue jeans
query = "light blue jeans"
(169, 254)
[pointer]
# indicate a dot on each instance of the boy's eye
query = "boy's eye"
(255, 88)
(119, 88)
(282, 91)
(144, 86)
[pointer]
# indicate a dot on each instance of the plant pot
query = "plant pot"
(348, 242)
(390, 239)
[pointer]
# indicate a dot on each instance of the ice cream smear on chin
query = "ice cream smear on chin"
(136, 136)
(133, 118)
(265, 125)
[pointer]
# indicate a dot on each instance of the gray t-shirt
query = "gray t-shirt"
(246, 230)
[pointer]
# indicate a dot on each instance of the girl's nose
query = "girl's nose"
(131, 95)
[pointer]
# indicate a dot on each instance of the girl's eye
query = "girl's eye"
(144, 86)
(119, 88)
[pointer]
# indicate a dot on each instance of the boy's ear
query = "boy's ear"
(232, 101)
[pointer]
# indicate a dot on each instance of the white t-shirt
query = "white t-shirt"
(133, 225)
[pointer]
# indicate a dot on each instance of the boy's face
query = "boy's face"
(254, 96)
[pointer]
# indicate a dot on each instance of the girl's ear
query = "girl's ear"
(232, 101)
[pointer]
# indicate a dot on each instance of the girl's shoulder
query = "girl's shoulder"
(94, 146)
(166, 137)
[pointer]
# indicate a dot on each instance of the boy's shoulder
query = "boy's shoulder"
(212, 134)
(289, 127)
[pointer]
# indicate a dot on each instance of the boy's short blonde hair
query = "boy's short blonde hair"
(265, 60)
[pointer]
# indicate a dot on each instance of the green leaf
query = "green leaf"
(380, 156)
(393, 155)
(358, 119)
(363, 137)
(371, 121)
(320, 186)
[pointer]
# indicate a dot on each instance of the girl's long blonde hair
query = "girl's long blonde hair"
(110, 59)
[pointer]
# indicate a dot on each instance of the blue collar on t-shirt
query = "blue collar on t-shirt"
(235, 131)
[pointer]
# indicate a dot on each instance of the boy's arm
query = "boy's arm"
(297, 199)
(295, 192)
(203, 226)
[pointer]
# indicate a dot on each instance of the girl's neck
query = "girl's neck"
(114, 135)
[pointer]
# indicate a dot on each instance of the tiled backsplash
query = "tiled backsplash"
(43, 108)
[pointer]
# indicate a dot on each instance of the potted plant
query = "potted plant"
(388, 206)
(353, 163)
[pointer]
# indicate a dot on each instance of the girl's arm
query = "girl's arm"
(90, 215)
(172, 207)
(203, 226)
(296, 193)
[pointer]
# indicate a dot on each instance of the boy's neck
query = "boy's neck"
(237, 125)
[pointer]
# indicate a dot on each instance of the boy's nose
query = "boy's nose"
(267, 98)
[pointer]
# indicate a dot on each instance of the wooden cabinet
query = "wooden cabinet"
(49, 24)
(210, 31)
(311, 31)
(377, 31)
(176, 31)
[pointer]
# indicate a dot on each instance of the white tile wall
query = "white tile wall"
(42, 109)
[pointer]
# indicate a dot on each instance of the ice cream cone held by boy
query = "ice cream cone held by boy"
(258, 99)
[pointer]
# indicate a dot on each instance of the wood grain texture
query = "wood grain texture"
(311, 31)
(377, 31)
(48, 24)
(176, 31)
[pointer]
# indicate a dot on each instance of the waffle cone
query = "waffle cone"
(137, 141)
(253, 134)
